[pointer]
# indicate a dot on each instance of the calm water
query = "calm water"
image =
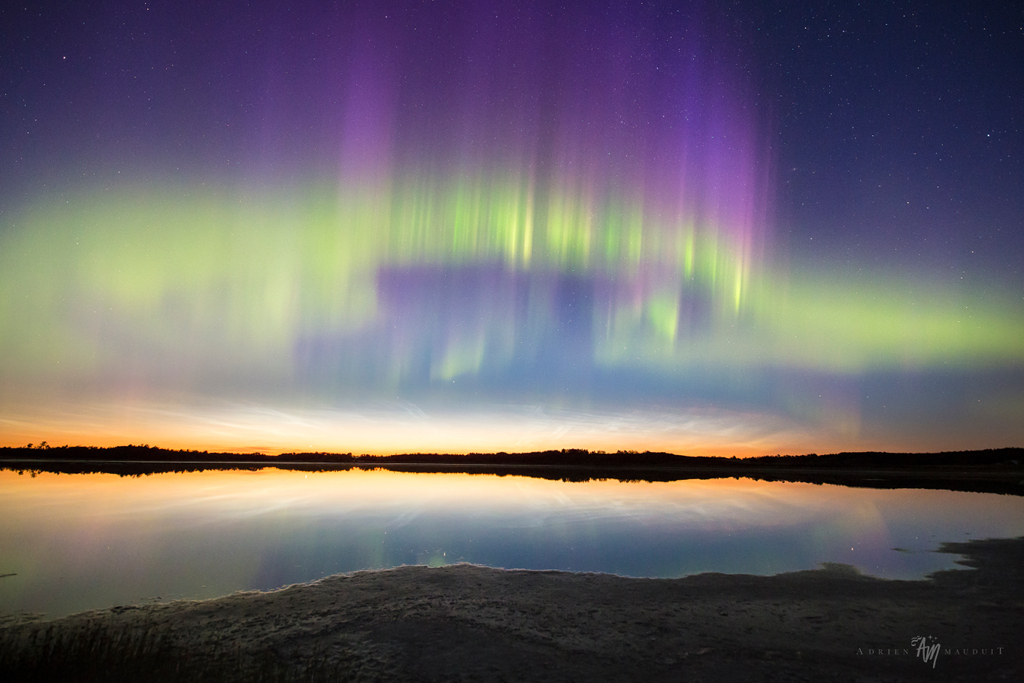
(77, 542)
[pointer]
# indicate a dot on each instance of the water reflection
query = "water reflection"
(76, 542)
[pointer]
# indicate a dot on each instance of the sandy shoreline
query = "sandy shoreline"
(467, 622)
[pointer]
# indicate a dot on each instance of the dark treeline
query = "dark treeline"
(1009, 458)
(147, 453)
(988, 471)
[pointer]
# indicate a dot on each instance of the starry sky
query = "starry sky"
(736, 228)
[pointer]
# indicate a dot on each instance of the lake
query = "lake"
(73, 542)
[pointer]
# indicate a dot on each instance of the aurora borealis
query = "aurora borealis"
(417, 226)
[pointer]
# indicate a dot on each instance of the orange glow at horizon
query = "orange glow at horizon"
(239, 428)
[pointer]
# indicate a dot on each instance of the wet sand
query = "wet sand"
(465, 622)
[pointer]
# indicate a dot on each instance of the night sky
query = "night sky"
(732, 228)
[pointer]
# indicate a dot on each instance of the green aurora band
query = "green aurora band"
(129, 281)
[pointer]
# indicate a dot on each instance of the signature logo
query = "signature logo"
(927, 648)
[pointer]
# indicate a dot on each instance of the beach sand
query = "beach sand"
(471, 623)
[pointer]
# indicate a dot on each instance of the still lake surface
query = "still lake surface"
(73, 542)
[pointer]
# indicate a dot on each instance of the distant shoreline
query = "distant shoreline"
(567, 456)
(987, 471)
